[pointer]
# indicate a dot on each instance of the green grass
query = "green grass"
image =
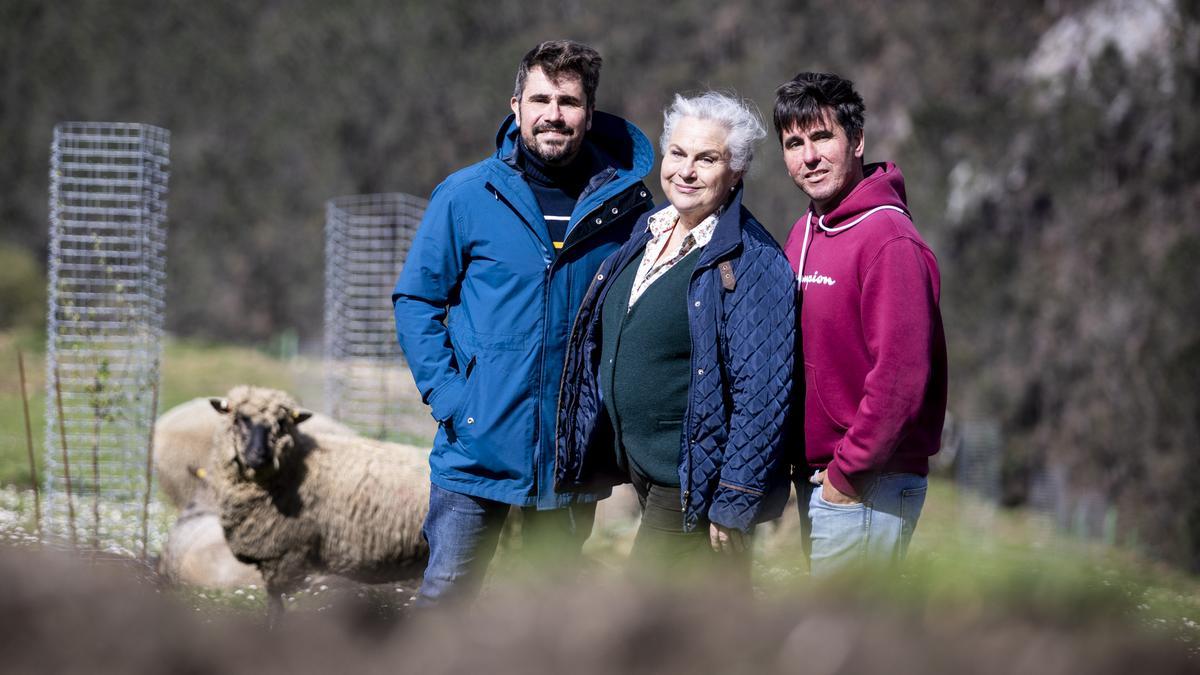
(970, 562)
(189, 369)
(14, 457)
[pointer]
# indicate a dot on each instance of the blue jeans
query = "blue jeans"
(463, 531)
(876, 531)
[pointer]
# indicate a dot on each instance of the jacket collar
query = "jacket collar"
(618, 146)
(728, 235)
(726, 238)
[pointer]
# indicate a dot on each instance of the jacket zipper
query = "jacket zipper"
(572, 333)
(571, 339)
(528, 226)
(689, 441)
(549, 272)
(686, 484)
(644, 196)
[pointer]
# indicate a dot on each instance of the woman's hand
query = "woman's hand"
(726, 540)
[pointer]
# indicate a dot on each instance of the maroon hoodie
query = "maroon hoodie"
(873, 345)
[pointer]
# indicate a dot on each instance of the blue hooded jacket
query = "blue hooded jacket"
(741, 317)
(484, 304)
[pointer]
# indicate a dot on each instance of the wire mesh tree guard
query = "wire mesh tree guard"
(108, 208)
(367, 238)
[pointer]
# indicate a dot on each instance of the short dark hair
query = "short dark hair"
(556, 57)
(803, 101)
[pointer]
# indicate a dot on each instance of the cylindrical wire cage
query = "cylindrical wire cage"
(108, 208)
(367, 238)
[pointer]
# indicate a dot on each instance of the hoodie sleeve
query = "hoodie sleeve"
(898, 313)
(431, 276)
(760, 333)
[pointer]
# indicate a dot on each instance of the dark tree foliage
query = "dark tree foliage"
(1071, 299)
(1062, 213)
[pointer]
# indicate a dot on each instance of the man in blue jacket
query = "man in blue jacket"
(484, 305)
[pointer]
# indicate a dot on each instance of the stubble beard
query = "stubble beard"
(556, 153)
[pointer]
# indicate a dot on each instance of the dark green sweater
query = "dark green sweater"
(645, 369)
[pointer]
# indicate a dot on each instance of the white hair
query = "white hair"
(739, 116)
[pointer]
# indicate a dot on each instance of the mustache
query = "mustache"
(560, 128)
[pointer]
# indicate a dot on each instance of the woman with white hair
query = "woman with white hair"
(679, 368)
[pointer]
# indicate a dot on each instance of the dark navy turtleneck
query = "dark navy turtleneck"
(556, 188)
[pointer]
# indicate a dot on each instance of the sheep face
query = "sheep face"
(258, 432)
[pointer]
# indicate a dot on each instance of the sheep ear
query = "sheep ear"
(221, 405)
(300, 414)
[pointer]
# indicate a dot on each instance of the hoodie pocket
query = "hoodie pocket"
(814, 403)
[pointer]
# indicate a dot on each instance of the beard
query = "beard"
(556, 151)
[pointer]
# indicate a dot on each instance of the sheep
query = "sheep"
(183, 439)
(196, 553)
(292, 503)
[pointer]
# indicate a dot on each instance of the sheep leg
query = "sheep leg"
(274, 609)
(282, 575)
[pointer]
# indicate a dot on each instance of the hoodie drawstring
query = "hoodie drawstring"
(839, 228)
(834, 230)
(804, 251)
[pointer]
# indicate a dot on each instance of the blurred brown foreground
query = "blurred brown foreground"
(64, 615)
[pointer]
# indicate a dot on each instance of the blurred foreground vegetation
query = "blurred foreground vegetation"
(988, 573)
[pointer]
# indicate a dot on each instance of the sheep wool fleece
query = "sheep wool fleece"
(484, 305)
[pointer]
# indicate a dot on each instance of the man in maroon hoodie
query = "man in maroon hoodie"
(874, 352)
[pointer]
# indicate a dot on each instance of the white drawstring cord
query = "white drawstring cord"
(804, 251)
(839, 228)
(834, 230)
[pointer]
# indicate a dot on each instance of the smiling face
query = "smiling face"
(553, 115)
(823, 161)
(695, 169)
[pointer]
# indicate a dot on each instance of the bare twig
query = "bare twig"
(62, 436)
(149, 471)
(37, 497)
(95, 477)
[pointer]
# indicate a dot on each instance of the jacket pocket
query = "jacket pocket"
(458, 419)
(496, 342)
(740, 488)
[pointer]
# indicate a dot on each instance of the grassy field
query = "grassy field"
(968, 561)
(189, 369)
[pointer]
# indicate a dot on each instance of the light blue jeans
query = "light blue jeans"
(875, 531)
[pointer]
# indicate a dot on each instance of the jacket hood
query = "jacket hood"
(621, 144)
(881, 187)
